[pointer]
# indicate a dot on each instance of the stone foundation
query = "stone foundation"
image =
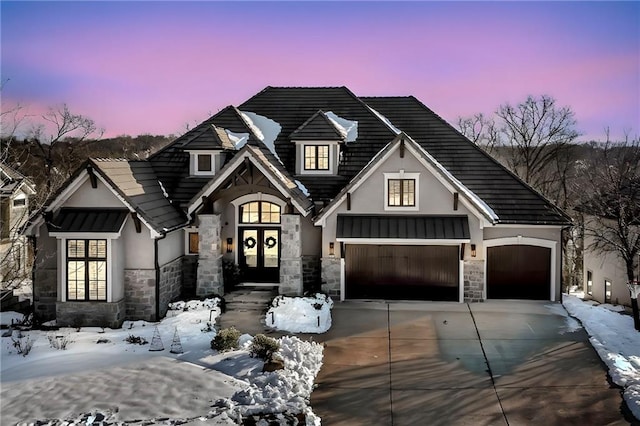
(291, 276)
(94, 314)
(473, 276)
(311, 273)
(140, 294)
(209, 275)
(331, 272)
(170, 284)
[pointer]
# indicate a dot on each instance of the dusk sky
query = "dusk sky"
(152, 67)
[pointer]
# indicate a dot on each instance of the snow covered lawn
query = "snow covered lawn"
(300, 314)
(116, 381)
(616, 341)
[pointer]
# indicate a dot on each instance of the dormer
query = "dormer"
(318, 141)
(207, 150)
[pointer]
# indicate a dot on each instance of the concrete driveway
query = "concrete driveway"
(493, 363)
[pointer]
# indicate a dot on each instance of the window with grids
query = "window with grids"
(87, 270)
(401, 192)
(259, 212)
(316, 157)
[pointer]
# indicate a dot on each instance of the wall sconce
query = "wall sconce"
(229, 245)
(473, 250)
(331, 249)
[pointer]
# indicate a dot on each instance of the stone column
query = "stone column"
(291, 282)
(331, 273)
(209, 256)
(473, 276)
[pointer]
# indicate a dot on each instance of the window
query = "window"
(204, 163)
(590, 283)
(259, 212)
(19, 202)
(607, 291)
(193, 243)
(316, 157)
(401, 192)
(87, 270)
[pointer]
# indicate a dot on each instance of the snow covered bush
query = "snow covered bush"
(136, 340)
(226, 340)
(22, 344)
(59, 342)
(310, 314)
(264, 347)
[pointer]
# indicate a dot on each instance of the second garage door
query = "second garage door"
(519, 272)
(402, 272)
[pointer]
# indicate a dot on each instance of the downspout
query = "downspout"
(157, 265)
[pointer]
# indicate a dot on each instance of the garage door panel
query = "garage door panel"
(518, 272)
(402, 272)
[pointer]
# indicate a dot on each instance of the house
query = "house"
(363, 197)
(15, 255)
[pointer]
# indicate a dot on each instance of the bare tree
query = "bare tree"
(480, 130)
(60, 125)
(611, 200)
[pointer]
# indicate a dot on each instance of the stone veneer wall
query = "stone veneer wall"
(210, 257)
(97, 314)
(291, 278)
(473, 276)
(331, 272)
(45, 293)
(170, 284)
(140, 293)
(311, 273)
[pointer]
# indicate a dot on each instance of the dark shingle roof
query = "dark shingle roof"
(317, 128)
(403, 226)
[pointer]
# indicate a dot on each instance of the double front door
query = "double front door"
(259, 254)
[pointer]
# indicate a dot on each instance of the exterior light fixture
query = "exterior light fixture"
(331, 249)
(229, 245)
(473, 250)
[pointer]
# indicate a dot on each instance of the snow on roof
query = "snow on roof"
(393, 128)
(238, 139)
(302, 188)
(264, 128)
(348, 128)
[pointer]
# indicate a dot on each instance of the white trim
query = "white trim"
(530, 225)
(343, 279)
(300, 145)
(415, 176)
(529, 241)
(193, 162)
(86, 235)
(402, 241)
(187, 231)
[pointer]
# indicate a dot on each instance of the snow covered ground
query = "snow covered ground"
(300, 314)
(119, 382)
(616, 341)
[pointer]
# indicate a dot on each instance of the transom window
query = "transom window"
(316, 157)
(259, 212)
(87, 270)
(401, 192)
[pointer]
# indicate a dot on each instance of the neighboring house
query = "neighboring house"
(306, 188)
(15, 254)
(605, 274)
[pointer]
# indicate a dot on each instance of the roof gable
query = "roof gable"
(317, 128)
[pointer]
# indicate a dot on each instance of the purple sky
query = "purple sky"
(146, 67)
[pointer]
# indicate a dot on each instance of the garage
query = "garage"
(519, 272)
(402, 272)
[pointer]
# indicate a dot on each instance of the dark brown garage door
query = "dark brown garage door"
(402, 272)
(518, 272)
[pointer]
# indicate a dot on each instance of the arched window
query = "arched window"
(259, 212)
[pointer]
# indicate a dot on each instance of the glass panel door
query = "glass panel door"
(250, 247)
(271, 248)
(259, 258)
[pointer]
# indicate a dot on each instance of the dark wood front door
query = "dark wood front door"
(259, 255)
(402, 272)
(519, 272)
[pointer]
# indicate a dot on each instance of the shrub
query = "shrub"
(59, 342)
(136, 340)
(23, 345)
(264, 347)
(226, 340)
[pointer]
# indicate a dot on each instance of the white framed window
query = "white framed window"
(86, 265)
(401, 191)
(20, 201)
(203, 163)
(589, 288)
(316, 157)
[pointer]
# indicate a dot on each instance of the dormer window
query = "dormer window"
(316, 157)
(204, 163)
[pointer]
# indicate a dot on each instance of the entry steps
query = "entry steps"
(246, 306)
